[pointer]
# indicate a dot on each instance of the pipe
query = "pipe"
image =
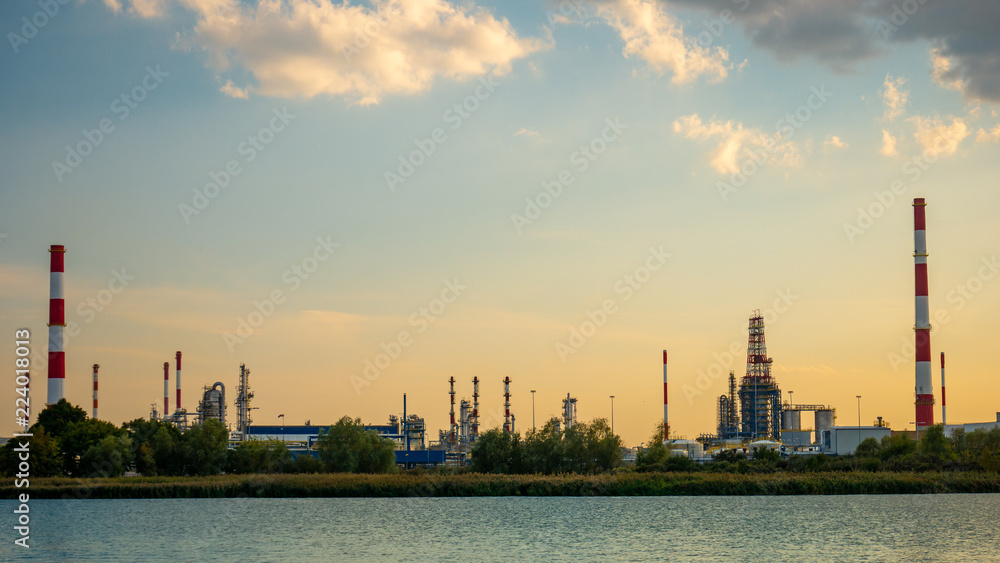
(666, 426)
(944, 411)
(178, 356)
(57, 325)
(924, 401)
(96, 367)
(166, 389)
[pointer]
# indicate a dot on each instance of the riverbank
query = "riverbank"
(430, 485)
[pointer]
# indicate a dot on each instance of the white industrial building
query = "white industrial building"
(841, 440)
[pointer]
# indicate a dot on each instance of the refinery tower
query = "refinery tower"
(753, 412)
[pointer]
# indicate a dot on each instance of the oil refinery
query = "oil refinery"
(753, 412)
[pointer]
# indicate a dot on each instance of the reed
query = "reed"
(474, 484)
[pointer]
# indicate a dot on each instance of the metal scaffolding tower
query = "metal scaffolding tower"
(760, 397)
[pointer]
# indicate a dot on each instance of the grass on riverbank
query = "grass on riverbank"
(472, 484)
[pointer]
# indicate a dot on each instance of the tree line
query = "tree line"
(65, 442)
(581, 448)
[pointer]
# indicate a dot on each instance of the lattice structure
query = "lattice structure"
(760, 397)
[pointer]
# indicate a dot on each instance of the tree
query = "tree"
(57, 418)
(934, 443)
(155, 447)
(260, 456)
(80, 437)
(204, 448)
(497, 451)
(44, 457)
(869, 447)
(346, 447)
(108, 458)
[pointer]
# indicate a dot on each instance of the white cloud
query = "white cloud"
(944, 73)
(888, 144)
(307, 48)
(737, 143)
(234, 91)
(657, 38)
(525, 132)
(894, 97)
(992, 136)
(938, 138)
(835, 142)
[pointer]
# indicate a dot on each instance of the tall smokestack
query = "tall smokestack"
(944, 412)
(506, 405)
(96, 367)
(451, 438)
(57, 324)
(475, 408)
(178, 356)
(166, 389)
(666, 427)
(924, 392)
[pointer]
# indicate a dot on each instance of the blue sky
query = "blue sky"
(558, 82)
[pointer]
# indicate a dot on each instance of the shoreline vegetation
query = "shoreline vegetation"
(431, 484)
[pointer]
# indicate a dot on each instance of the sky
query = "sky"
(359, 200)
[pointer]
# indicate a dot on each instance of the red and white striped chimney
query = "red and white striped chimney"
(96, 367)
(666, 427)
(57, 325)
(178, 406)
(166, 389)
(944, 412)
(924, 390)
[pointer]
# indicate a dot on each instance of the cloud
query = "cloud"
(737, 143)
(938, 138)
(845, 32)
(657, 38)
(141, 8)
(888, 144)
(234, 91)
(308, 48)
(835, 142)
(525, 132)
(835, 33)
(943, 72)
(894, 97)
(992, 136)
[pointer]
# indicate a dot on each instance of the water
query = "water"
(907, 528)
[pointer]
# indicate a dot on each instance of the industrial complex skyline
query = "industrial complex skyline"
(365, 199)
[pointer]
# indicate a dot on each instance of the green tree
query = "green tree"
(44, 458)
(869, 447)
(57, 418)
(346, 447)
(935, 444)
(496, 451)
(80, 437)
(155, 447)
(260, 456)
(204, 448)
(108, 458)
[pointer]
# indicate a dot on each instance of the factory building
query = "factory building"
(843, 440)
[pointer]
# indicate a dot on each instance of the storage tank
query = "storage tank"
(824, 421)
(690, 448)
(791, 420)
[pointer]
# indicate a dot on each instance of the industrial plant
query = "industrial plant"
(751, 414)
